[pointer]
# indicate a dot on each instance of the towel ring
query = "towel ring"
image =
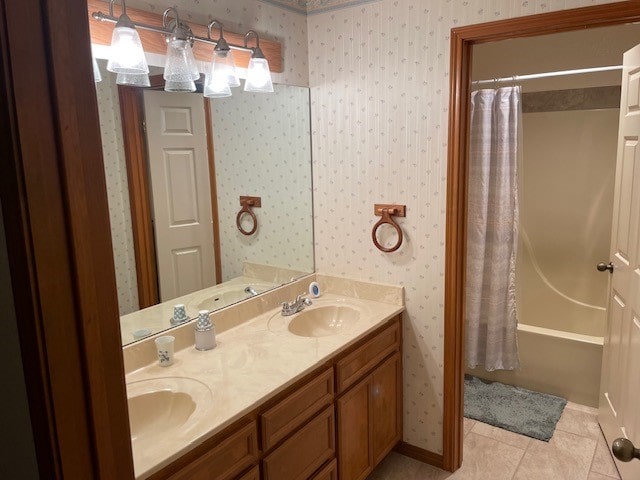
(386, 212)
(247, 203)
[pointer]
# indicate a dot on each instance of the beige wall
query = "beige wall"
(379, 75)
(562, 51)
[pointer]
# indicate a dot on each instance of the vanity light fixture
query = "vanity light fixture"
(181, 71)
(127, 55)
(258, 74)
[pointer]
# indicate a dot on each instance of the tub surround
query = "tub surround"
(256, 358)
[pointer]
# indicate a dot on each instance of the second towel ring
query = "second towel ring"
(247, 203)
(386, 212)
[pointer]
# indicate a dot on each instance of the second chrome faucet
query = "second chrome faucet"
(289, 308)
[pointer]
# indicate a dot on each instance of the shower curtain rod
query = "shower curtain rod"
(519, 78)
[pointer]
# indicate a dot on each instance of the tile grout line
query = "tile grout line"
(515, 472)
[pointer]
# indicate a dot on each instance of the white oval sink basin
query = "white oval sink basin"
(322, 321)
(160, 406)
(228, 296)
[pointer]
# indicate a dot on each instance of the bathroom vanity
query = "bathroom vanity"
(324, 403)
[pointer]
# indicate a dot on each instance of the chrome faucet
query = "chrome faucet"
(289, 308)
(251, 291)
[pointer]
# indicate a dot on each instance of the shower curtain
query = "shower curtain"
(492, 229)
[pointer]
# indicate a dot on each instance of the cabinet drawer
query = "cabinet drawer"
(358, 363)
(304, 452)
(282, 419)
(330, 472)
(233, 455)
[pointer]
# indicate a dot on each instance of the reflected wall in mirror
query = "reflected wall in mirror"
(261, 148)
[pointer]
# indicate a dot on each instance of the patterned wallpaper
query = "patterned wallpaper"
(270, 21)
(271, 161)
(379, 75)
(117, 191)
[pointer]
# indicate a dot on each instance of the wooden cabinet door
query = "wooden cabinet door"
(386, 407)
(355, 456)
(305, 451)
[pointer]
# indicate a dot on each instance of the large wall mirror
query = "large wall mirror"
(202, 158)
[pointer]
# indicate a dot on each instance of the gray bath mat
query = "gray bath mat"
(512, 408)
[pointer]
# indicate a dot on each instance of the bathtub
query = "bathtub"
(556, 362)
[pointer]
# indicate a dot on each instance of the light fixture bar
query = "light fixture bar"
(103, 17)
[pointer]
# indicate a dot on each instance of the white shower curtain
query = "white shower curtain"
(492, 229)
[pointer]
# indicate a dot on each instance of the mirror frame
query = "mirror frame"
(462, 41)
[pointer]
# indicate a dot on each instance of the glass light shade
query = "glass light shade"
(127, 55)
(216, 84)
(258, 76)
(141, 80)
(97, 77)
(174, 86)
(181, 64)
(223, 60)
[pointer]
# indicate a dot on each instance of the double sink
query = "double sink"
(165, 407)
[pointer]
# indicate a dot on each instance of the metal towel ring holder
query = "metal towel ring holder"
(386, 212)
(247, 203)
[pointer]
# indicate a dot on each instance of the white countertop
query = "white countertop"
(252, 363)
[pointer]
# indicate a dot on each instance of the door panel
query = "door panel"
(180, 186)
(620, 385)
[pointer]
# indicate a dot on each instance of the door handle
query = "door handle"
(603, 267)
(624, 450)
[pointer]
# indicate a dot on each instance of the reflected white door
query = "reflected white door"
(181, 195)
(619, 412)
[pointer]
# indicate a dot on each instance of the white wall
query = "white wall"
(379, 76)
(263, 150)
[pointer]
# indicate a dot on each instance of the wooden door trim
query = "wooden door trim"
(59, 243)
(136, 155)
(462, 40)
(215, 216)
(135, 152)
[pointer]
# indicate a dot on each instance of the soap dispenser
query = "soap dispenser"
(205, 332)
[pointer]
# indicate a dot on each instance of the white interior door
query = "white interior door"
(619, 412)
(179, 170)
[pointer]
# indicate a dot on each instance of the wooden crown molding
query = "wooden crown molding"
(153, 42)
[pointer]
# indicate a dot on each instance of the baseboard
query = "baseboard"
(420, 454)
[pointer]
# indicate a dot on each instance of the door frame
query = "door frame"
(462, 41)
(134, 137)
(56, 218)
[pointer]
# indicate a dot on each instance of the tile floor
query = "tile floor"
(577, 451)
